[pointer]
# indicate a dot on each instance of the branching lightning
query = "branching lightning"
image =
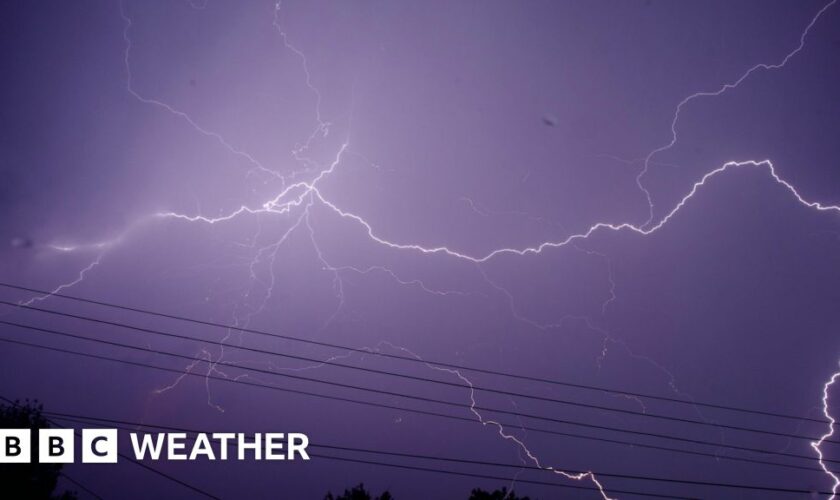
(714, 93)
(294, 201)
(520, 445)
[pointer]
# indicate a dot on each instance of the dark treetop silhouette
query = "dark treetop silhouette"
(34, 480)
(360, 493)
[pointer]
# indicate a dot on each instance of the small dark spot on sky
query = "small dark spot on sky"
(19, 242)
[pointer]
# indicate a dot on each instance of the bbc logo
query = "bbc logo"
(57, 446)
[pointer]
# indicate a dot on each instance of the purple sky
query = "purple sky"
(387, 175)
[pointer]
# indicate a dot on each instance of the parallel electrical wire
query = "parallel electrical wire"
(46, 293)
(135, 462)
(372, 404)
(133, 426)
(388, 464)
(497, 478)
(79, 485)
(412, 377)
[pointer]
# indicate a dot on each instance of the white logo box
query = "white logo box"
(58, 446)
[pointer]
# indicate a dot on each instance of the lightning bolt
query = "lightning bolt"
(295, 199)
(81, 277)
(174, 111)
(322, 128)
(714, 93)
(500, 429)
(503, 433)
(816, 445)
(642, 229)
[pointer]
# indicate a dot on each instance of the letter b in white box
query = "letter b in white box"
(55, 446)
(15, 446)
(99, 446)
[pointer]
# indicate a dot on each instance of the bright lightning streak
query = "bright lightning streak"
(69, 284)
(276, 206)
(831, 422)
(520, 444)
(715, 93)
(100, 248)
(300, 196)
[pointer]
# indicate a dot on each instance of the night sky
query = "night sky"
(637, 196)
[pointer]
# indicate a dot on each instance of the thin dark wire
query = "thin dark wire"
(377, 391)
(80, 485)
(407, 396)
(167, 476)
(426, 469)
(385, 372)
(409, 410)
(135, 462)
(131, 426)
(505, 479)
(411, 359)
(604, 440)
(342, 365)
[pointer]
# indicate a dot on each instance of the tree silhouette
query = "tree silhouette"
(34, 480)
(502, 494)
(358, 493)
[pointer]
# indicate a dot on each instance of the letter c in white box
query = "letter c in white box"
(99, 446)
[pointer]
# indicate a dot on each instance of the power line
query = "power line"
(80, 485)
(411, 359)
(411, 377)
(463, 474)
(484, 476)
(135, 462)
(131, 426)
(380, 391)
(367, 462)
(171, 478)
(412, 410)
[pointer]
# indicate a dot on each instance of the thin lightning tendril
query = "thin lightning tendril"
(298, 197)
(503, 433)
(816, 445)
(725, 87)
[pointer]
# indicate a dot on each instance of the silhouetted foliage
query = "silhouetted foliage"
(358, 493)
(502, 494)
(34, 480)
